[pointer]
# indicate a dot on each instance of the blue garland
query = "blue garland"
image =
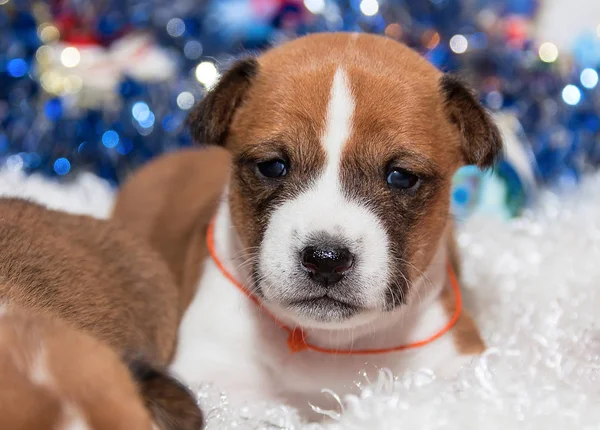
(559, 115)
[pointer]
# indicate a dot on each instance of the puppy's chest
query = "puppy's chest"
(225, 340)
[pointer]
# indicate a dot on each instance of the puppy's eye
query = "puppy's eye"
(272, 168)
(400, 179)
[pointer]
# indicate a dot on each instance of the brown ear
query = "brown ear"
(480, 138)
(171, 405)
(209, 120)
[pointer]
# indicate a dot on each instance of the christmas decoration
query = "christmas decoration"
(104, 86)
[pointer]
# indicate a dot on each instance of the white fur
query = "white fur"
(324, 208)
(39, 373)
(339, 121)
(73, 418)
(225, 339)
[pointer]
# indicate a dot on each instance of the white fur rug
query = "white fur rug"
(534, 288)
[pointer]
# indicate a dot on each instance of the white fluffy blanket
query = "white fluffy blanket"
(534, 288)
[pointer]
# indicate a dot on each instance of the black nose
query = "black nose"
(327, 265)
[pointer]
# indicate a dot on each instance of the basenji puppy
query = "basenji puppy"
(88, 322)
(318, 244)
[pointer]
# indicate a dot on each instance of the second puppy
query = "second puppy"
(89, 319)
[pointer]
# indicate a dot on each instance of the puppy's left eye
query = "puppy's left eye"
(400, 179)
(272, 168)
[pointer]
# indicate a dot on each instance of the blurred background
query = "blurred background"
(104, 85)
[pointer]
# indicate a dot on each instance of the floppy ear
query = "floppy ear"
(481, 142)
(172, 406)
(210, 119)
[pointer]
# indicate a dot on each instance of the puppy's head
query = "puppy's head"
(344, 148)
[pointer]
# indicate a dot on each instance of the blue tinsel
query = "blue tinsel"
(42, 134)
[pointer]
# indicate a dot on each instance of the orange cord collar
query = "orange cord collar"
(297, 342)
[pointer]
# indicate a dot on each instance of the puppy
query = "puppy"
(330, 247)
(89, 321)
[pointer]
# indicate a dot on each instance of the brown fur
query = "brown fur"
(97, 278)
(163, 396)
(170, 203)
(90, 273)
(48, 367)
(480, 138)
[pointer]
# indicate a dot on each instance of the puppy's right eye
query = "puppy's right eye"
(400, 179)
(272, 168)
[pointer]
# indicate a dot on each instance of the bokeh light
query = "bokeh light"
(148, 122)
(571, 95)
(185, 100)
(207, 74)
(193, 49)
(394, 31)
(548, 52)
(53, 109)
(48, 33)
(494, 100)
(62, 166)
(70, 57)
(431, 39)
(17, 67)
(175, 27)
(140, 111)
(369, 7)
(459, 44)
(315, 6)
(124, 147)
(110, 139)
(589, 78)
(43, 55)
(52, 82)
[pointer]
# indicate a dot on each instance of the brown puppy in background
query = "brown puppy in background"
(83, 299)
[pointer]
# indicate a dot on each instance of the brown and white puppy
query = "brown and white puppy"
(335, 215)
(89, 319)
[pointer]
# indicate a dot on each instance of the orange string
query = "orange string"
(296, 339)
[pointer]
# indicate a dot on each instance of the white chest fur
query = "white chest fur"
(225, 339)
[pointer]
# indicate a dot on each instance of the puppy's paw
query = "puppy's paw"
(171, 404)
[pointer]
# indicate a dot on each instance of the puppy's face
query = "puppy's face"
(344, 147)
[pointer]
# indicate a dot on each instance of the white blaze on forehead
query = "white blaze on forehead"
(339, 121)
(325, 208)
